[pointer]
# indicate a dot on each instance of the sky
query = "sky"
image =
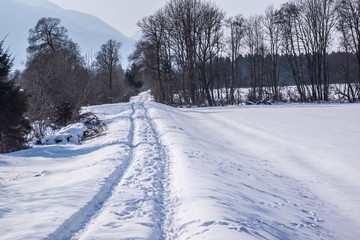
(124, 14)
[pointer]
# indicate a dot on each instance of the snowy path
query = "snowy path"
(135, 207)
(133, 191)
(79, 219)
(160, 173)
(74, 181)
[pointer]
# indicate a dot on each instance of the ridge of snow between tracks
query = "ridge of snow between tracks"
(143, 172)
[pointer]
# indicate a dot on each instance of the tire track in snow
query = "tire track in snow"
(135, 210)
(78, 221)
(164, 180)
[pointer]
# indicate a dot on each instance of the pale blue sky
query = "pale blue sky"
(124, 14)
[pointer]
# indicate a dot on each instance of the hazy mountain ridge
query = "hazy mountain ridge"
(18, 16)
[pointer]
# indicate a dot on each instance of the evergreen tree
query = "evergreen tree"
(13, 104)
(5, 62)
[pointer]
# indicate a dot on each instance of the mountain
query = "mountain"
(18, 16)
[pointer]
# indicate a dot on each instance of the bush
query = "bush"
(13, 104)
(64, 113)
(89, 126)
(94, 125)
(13, 125)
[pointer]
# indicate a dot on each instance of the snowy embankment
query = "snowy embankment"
(279, 172)
(260, 172)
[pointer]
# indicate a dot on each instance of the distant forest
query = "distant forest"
(190, 50)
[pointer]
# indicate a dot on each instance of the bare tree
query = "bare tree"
(317, 20)
(108, 57)
(47, 35)
(349, 26)
(307, 27)
(183, 20)
(255, 40)
(291, 46)
(153, 50)
(209, 36)
(273, 34)
(237, 27)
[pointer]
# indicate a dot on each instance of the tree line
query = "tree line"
(57, 76)
(56, 83)
(190, 51)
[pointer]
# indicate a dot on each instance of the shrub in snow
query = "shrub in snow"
(64, 113)
(94, 125)
(40, 129)
(89, 126)
(72, 133)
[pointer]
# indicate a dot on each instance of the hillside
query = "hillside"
(18, 16)
(259, 172)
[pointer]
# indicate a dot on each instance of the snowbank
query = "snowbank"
(72, 133)
(89, 126)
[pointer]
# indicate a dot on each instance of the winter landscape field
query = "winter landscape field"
(179, 119)
(255, 172)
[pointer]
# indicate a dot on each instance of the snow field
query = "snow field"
(259, 172)
(263, 172)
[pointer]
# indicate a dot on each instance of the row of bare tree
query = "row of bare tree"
(189, 51)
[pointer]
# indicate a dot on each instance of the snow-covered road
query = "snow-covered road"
(136, 205)
(264, 172)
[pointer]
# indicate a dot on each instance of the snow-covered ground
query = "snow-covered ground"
(255, 172)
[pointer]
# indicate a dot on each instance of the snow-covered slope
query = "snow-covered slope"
(270, 172)
(18, 16)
